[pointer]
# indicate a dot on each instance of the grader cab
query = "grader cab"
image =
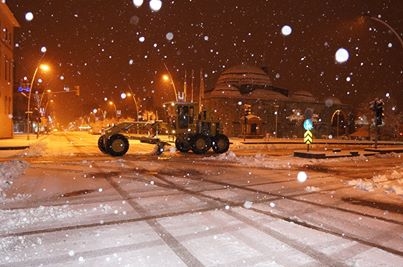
(194, 130)
(191, 129)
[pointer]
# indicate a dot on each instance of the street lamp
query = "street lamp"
(113, 104)
(336, 113)
(168, 78)
(44, 68)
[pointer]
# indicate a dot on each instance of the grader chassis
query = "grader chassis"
(192, 130)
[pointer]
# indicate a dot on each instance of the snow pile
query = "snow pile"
(259, 160)
(311, 189)
(362, 185)
(35, 150)
(10, 170)
(228, 156)
(393, 187)
(390, 182)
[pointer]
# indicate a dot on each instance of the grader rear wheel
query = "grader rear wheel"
(200, 144)
(220, 143)
(117, 145)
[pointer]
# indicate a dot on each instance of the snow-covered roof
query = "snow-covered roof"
(243, 75)
(246, 81)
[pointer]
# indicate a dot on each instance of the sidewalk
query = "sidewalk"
(18, 142)
(13, 147)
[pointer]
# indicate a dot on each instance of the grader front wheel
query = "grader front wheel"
(117, 145)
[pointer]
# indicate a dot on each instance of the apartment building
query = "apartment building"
(7, 25)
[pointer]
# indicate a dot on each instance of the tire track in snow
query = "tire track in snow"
(171, 185)
(286, 218)
(182, 252)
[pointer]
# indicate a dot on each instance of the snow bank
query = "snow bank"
(35, 150)
(389, 182)
(10, 170)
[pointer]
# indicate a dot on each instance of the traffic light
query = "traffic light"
(308, 113)
(379, 115)
(377, 107)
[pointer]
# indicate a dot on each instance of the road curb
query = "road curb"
(324, 155)
(14, 147)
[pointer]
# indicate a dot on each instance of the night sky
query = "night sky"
(104, 46)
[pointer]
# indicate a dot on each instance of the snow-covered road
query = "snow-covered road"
(63, 203)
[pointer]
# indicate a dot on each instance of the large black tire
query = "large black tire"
(117, 145)
(182, 144)
(101, 144)
(220, 143)
(200, 144)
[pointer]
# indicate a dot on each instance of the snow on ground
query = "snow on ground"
(10, 170)
(391, 181)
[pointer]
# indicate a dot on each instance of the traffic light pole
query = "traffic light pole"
(247, 111)
(377, 107)
(245, 121)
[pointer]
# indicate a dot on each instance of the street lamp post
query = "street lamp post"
(384, 23)
(387, 25)
(336, 113)
(114, 106)
(124, 95)
(135, 103)
(169, 78)
(42, 67)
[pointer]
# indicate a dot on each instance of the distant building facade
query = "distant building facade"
(7, 25)
(248, 104)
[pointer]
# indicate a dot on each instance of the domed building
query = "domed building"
(248, 104)
(246, 81)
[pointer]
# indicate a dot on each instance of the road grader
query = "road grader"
(190, 129)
